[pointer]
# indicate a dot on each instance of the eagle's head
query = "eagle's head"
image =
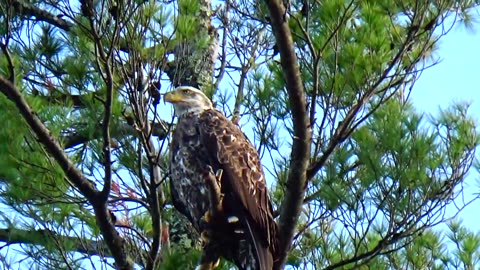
(187, 99)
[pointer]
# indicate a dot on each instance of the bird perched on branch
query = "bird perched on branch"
(218, 183)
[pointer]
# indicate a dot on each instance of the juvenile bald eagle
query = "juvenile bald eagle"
(205, 141)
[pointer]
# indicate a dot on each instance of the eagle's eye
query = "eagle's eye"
(187, 92)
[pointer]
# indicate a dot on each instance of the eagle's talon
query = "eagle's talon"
(210, 170)
(218, 208)
(205, 221)
(207, 217)
(218, 175)
(216, 196)
(204, 238)
(208, 265)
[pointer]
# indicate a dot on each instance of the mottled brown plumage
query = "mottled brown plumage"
(204, 141)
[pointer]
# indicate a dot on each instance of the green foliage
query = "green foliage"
(180, 258)
(387, 171)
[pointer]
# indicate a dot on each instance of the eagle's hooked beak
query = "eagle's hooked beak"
(173, 97)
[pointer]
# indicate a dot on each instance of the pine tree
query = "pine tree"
(359, 176)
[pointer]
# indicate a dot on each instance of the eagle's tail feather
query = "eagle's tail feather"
(264, 259)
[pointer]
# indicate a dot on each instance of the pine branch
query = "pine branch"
(27, 10)
(47, 139)
(80, 136)
(297, 178)
(44, 238)
(111, 236)
(80, 133)
(57, 97)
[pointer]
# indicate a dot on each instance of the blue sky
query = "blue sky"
(456, 78)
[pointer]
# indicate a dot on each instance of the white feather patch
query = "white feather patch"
(232, 219)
